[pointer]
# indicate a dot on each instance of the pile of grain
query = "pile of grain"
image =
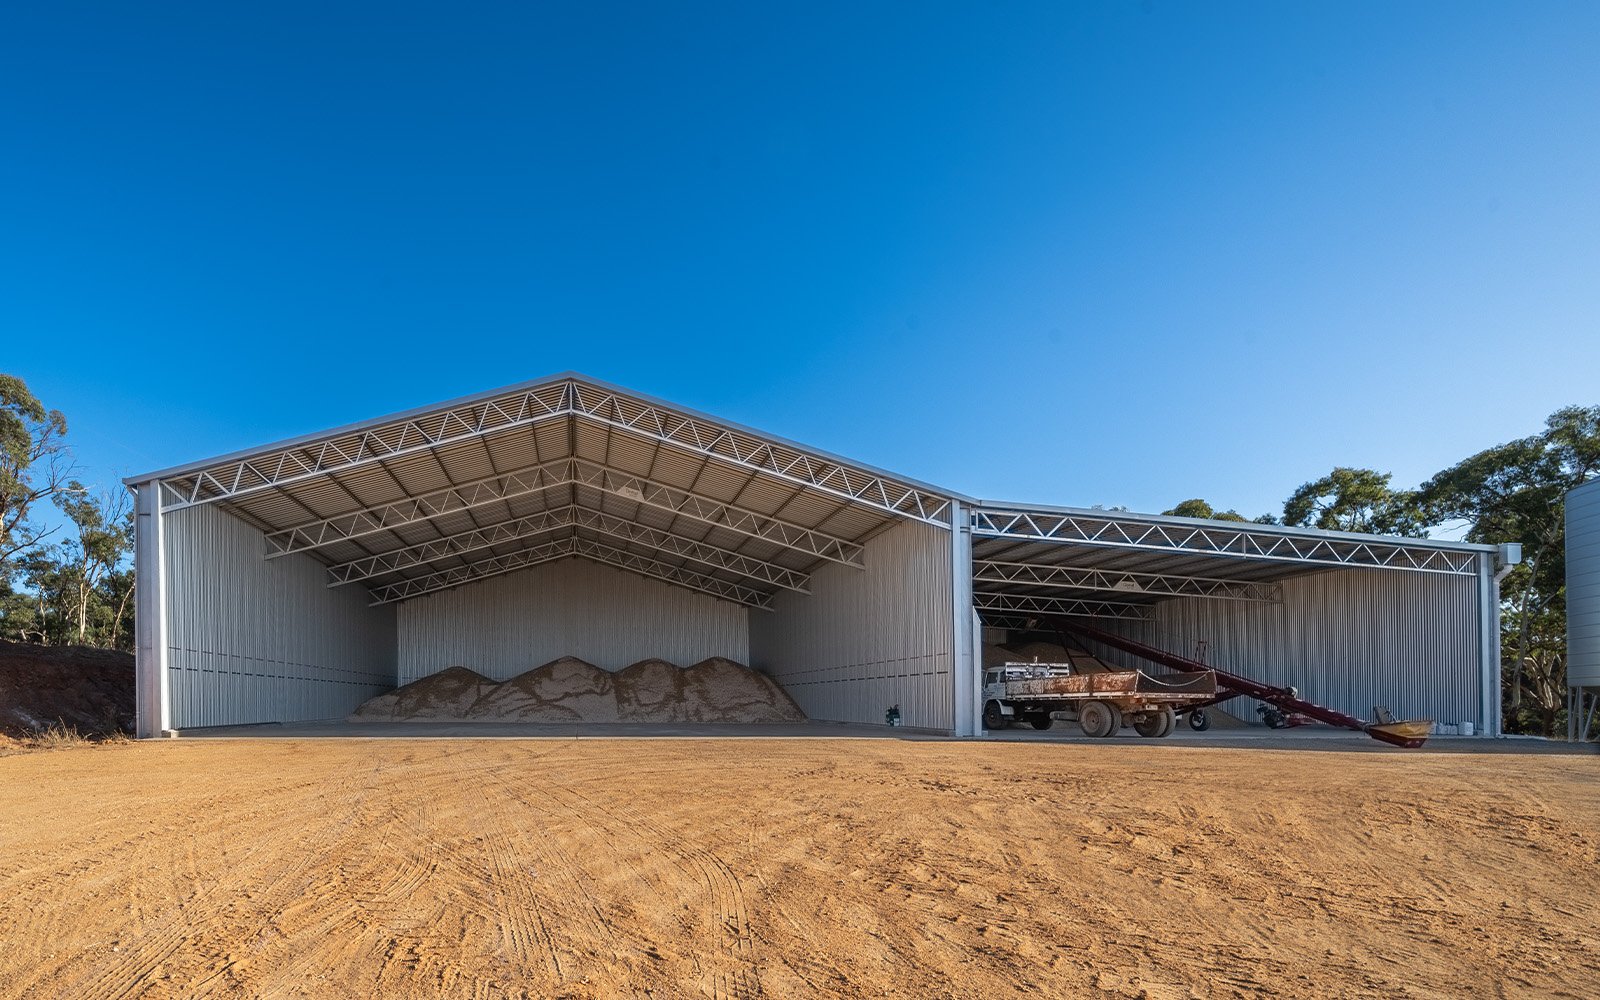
(571, 690)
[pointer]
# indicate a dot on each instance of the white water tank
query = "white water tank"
(1583, 586)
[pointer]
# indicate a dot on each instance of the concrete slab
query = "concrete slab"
(1064, 734)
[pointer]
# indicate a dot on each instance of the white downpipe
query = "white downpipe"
(153, 690)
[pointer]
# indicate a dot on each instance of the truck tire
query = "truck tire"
(1040, 720)
(1099, 719)
(1156, 724)
(993, 718)
(1199, 721)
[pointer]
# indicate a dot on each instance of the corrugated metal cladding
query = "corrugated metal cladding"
(865, 639)
(1583, 586)
(258, 640)
(504, 625)
(1349, 639)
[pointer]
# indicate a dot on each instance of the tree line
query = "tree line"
(72, 582)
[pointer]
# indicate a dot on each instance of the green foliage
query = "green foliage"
(1199, 508)
(1349, 499)
(79, 589)
(1517, 492)
(32, 463)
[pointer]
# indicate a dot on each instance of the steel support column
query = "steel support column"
(153, 684)
(964, 667)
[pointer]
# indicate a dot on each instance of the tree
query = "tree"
(1199, 508)
(1517, 492)
(33, 463)
(1350, 499)
(105, 537)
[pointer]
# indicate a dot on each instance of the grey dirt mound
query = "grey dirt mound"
(571, 690)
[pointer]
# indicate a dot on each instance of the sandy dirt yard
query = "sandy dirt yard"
(793, 868)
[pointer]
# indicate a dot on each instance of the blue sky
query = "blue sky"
(1113, 253)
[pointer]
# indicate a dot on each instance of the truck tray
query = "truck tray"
(1167, 688)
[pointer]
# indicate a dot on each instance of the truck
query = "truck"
(1101, 702)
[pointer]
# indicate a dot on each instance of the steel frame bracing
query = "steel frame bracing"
(1025, 605)
(574, 546)
(385, 517)
(555, 519)
(1123, 581)
(566, 398)
(1108, 529)
(562, 472)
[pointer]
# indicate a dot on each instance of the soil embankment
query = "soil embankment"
(87, 689)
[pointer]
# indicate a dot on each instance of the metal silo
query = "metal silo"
(1583, 607)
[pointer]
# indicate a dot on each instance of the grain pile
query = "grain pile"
(572, 690)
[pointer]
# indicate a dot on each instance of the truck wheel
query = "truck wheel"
(1099, 719)
(993, 718)
(1154, 725)
(1199, 721)
(1040, 720)
(1169, 725)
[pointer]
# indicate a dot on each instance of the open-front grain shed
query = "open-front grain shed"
(565, 516)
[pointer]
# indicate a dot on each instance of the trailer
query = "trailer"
(1101, 703)
(1408, 733)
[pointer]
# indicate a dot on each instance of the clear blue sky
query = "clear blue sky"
(1113, 253)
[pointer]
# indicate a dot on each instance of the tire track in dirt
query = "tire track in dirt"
(129, 974)
(729, 912)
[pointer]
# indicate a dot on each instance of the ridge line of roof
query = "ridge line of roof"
(529, 386)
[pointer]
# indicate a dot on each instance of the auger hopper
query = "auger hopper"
(1410, 733)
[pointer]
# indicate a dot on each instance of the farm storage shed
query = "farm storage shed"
(565, 516)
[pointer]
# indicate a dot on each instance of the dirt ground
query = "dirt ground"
(793, 868)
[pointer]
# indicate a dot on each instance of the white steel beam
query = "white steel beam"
(153, 705)
(568, 399)
(532, 526)
(714, 512)
(1221, 539)
(384, 517)
(1123, 582)
(230, 480)
(551, 551)
(569, 516)
(694, 551)
(734, 447)
(1022, 604)
(480, 570)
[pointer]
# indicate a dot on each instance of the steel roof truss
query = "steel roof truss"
(1123, 581)
(551, 551)
(385, 517)
(715, 512)
(1129, 533)
(572, 515)
(1019, 603)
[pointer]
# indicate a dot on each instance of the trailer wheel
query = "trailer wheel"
(993, 718)
(1098, 719)
(1199, 721)
(1155, 724)
(1040, 720)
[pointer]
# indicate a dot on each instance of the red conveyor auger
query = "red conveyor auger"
(1411, 733)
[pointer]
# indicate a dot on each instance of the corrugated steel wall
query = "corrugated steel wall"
(258, 640)
(865, 639)
(1583, 586)
(507, 624)
(1349, 639)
